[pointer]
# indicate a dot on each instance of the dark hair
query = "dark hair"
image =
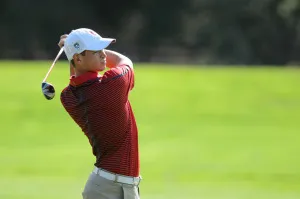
(72, 61)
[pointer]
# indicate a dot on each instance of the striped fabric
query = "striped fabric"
(100, 106)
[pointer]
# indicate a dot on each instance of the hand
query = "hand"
(62, 40)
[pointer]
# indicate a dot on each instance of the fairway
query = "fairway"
(204, 133)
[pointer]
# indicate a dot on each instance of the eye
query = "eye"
(97, 52)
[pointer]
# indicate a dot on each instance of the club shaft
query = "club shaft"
(56, 58)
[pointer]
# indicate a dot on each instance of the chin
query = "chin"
(102, 68)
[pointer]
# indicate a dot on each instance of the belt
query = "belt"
(116, 177)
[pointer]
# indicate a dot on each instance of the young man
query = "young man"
(100, 106)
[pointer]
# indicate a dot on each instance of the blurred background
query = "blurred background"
(216, 97)
(181, 31)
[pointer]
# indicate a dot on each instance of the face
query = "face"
(91, 61)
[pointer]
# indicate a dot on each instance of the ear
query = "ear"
(77, 58)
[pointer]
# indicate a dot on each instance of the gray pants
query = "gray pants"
(98, 187)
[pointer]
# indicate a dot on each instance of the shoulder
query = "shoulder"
(117, 72)
(65, 90)
(64, 93)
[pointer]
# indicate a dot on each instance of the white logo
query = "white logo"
(76, 45)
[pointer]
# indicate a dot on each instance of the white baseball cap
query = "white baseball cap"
(83, 39)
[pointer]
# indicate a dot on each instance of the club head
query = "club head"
(48, 90)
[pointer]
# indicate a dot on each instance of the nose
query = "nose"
(102, 54)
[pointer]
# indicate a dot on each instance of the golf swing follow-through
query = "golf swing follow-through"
(47, 88)
(99, 105)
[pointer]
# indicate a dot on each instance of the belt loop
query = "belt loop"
(116, 178)
(137, 181)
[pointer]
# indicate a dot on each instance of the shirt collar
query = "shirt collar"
(76, 81)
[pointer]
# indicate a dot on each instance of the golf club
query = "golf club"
(47, 88)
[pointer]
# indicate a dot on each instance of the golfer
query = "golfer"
(99, 105)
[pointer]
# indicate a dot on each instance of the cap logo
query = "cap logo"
(76, 45)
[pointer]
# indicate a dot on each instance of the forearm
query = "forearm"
(115, 59)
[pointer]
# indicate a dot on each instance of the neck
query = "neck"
(74, 71)
(78, 72)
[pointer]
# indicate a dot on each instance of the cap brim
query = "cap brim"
(101, 44)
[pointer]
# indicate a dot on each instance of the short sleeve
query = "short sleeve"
(123, 75)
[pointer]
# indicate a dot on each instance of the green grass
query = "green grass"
(213, 133)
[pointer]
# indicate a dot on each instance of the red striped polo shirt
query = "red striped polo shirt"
(100, 106)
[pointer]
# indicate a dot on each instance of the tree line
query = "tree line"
(178, 31)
